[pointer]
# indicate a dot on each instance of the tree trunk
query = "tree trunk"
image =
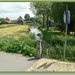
(62, 27)
(43, 21)
(47, 24)
(74, 29)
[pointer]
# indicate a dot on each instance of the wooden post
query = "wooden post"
(43, 20)
(47, 52)
(39, 50)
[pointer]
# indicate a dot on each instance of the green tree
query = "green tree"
(57, 10)
(42, 9)
(27, 17)
(2, 20)
(71, 26)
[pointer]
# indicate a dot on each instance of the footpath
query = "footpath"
(15, 62)
(18, 63)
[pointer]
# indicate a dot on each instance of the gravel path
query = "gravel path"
(15, 62)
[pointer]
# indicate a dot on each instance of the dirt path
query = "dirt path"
(15, 62)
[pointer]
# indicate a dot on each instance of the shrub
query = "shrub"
(56, 41)
(5, 42)
(28, 41)
(24, 45)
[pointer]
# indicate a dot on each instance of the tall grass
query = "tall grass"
(56, 41)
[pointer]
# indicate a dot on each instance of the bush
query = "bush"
(56, 41)
(53, 40)
(5, 42)
(28, 41)
(24, 45)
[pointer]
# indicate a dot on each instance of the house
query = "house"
(8, 21)
(19, 20)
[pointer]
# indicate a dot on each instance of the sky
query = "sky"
(13, 10)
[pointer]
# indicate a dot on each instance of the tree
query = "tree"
(2, 20)
(57, 10)
(42, 9)
(27, 17)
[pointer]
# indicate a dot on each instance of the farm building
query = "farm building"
(19, 20)
(8, 21)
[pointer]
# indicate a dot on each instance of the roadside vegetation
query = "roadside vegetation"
(46, 13)
(24, 45)
(17, 40)
(56, 40)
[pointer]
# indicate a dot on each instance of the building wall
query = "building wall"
(20, 22)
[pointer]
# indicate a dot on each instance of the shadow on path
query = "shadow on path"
(31, 59)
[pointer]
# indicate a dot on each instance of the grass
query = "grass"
(27, 46)
(7, 25)
(15, 39)
(56, 40)
(14, 30)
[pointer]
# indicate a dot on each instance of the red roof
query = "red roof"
(19, 18)
(8, 20)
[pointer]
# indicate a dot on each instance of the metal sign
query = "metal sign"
(66, 17)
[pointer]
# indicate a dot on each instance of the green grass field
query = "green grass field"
(15, 39)
(14, 30)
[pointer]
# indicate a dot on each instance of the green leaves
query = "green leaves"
(56, 41)
(57, 9)
(2, 20)
(40, 7)
(24, 45)
(27, 17)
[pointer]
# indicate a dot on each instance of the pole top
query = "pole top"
(66, 7)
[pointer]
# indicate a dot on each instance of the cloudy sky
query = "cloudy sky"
(14, 9)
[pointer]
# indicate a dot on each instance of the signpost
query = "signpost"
(67, 17)
(66, 21)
